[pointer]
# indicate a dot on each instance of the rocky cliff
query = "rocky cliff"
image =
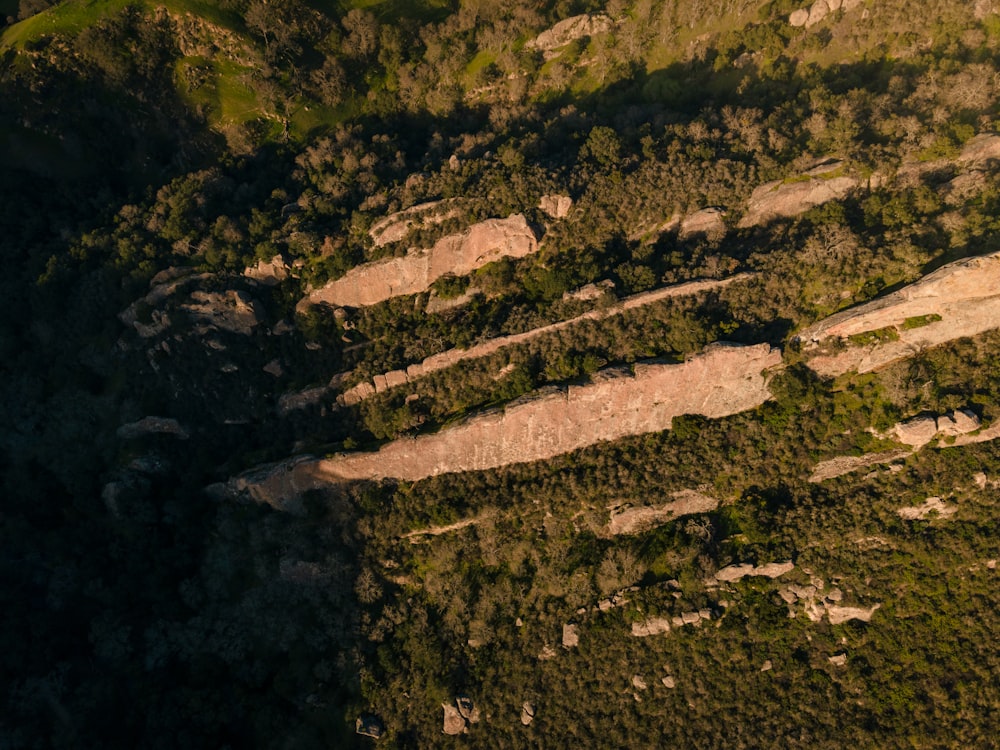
(414, 272)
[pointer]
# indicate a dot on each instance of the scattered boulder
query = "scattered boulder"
(269, 273)
(556, 206)
(369, 726)
(639, 683)
(838, 660)
(668, 682)
(527, 713)
(917, 431)
(570, 636)
(766, 666)
(650, 626)
(840, 615)
(459, 715)
(453, 721)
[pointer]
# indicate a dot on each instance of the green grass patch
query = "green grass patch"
(72, 16)
(880, 336)
(919, 321)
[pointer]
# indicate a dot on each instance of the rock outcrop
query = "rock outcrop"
(959, 299)
(784, 199)
(395, 227)
(569, 30)
(707, 222)
(636, 520)
(556, 206)
(436, 362)
(459, 254)
(732, 573)
(724, 380)
(819, 10)
(930, 505)
(234, 311)
(152, 426)
(269, 273)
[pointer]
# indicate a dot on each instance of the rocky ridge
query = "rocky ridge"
(458, 254)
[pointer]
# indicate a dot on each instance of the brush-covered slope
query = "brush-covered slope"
(594, 486)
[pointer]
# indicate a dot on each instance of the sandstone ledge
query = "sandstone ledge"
(724, 380)
(482, 243)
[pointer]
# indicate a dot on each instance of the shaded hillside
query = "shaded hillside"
(181, 177)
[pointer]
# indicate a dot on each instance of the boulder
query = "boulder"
(817, 12)
(917, 431)
(570, 636)
(799, 17)
(650, 626)
(269, 273)
(707, 222)
(568, 30)
(369, 726)
(527, 713)
(454, 723)
(838, 660)
(556, 206)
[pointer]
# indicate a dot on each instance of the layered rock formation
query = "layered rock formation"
(724, 380)
(780, 199)
(959, 299)
(436, 362)
(395, 227)
(414, 272)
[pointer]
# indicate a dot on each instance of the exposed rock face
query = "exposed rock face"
(527, 713)
(556, 206)
(651, 626)
(836, 467)
(437, 304)
(819, 10)
(722, 381)
(232, 310)
(395, 227)
(930, 505)
(453, 721)
(570, 636)
(781, 199)
(707, 221)
(453, 356)
(917, 431)
(269, 273)
(635, 520)
(568, 30)
(840, 615)
(959, 299)
(732, 573)
(414, 272)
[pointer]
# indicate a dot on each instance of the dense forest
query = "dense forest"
(179, 176)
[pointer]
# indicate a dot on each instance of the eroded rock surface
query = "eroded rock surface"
(732, 573)
(781, 199)
(930, 505)
(568, 30)
(722, 381)
(446, 359)
(636, 520)
(556, 206)
(414, 272)
(959, 299)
